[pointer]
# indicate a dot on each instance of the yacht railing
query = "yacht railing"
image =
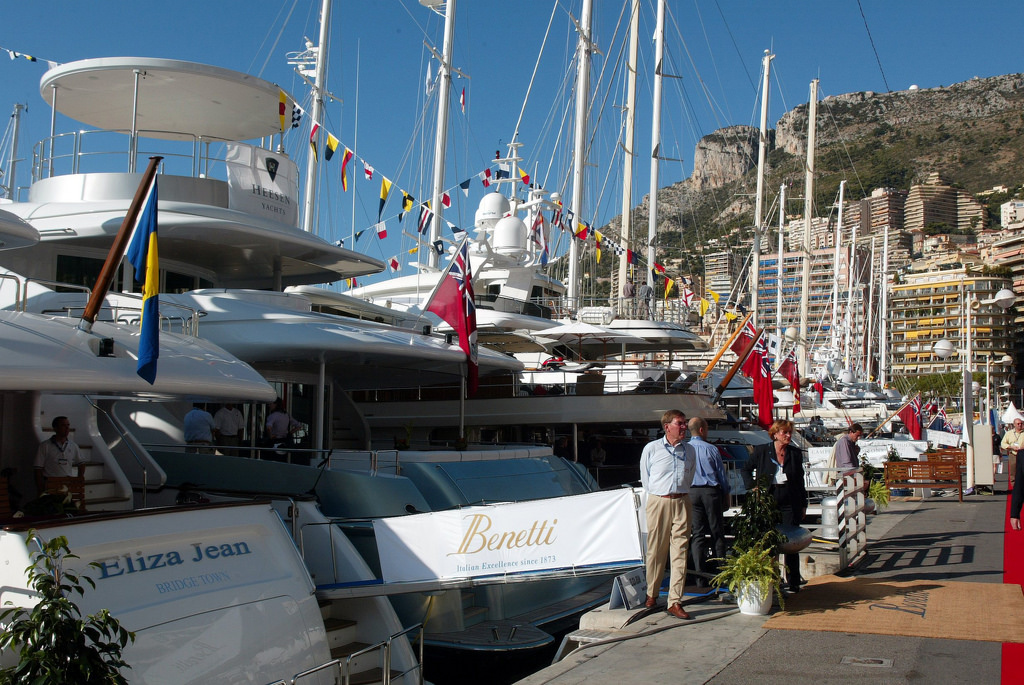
(132, 316)
(347, 662)
(18, 300)
(600, 311)
(69, 153)
(127, 443)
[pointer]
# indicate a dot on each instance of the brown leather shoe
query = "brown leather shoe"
(678, 611)
(651, 602)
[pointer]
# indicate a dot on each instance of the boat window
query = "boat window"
(78, 270)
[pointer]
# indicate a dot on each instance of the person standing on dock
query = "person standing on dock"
(847, 450)
(666, 472)
(1012, 443)
(709, 492)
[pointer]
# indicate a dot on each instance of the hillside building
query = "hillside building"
(926, 307)
(935, 202)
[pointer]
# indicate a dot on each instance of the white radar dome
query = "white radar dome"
(510, 236)
(492, 207)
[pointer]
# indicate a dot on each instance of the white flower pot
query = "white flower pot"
(753, 600)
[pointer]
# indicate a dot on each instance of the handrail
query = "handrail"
(55, 284)
(17, 290)
(346, 663)
(128, 444)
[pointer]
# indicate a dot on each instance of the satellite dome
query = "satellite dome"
(492, 207)
(510, 237)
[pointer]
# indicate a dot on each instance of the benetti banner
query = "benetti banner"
(597, 528)
(262, 183)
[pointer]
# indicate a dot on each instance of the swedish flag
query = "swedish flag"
(142, 253)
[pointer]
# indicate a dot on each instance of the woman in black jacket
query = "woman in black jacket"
(782, 463)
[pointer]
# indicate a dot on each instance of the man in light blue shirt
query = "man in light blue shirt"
(666, 471)
(709, 491)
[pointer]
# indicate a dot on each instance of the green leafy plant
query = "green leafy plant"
(759, 519)
(54, 643)
(756, 565)
(893, 455)
(878, 492)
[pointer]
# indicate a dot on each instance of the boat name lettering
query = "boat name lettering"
(192, 581)
(475, 539)
(137, 563)
(271, 194)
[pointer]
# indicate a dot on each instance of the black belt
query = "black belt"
(705, 487)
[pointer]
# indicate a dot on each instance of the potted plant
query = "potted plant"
(751, 574)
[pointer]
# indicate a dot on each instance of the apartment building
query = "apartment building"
(925, 307)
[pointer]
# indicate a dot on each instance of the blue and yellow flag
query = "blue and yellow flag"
(142, 253)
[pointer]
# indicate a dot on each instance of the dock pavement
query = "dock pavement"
(921, 542)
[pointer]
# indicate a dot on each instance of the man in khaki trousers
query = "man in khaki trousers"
(666, 472)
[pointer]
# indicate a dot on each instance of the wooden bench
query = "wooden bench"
(937, 475)
(957, 456)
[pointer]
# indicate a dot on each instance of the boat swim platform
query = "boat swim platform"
(927, 541)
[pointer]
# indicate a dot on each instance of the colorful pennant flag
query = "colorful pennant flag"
(446, 200)
(703, 306)
(394, 264)
(668, 286)
(332, 145)
(368, 171)
(465, 187)
(597, 241)
(524, 176)
(686, 296)
(407, 203)
(282, 100)
(345, 159)
(539, 239)
(385, 190)
(382, 230)
(312, 140)
(714, 296)
(462, 100)
(486, 177)
(426, 216)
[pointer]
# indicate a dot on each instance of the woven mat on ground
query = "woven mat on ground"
(990, 612)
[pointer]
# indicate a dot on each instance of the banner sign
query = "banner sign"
(262, 183)
(598, 528)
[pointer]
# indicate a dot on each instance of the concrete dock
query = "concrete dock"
(934, 539)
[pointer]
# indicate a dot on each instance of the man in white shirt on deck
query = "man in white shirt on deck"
(230, 426)
(59, 456)
(666, 471)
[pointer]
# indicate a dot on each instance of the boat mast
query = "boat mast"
(444, 79)
(319, 86)
(812, 115)
(583, 48)
(850, 266)
(762, 152)
(883, 311)
(630, 143)
(837, 242)
(12, 162)
(652, 218)
(868, 347)
(778, 266)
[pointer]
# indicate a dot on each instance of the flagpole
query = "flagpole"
(736, 366)
(116, 253)
(721, 351)
(444, 274)
(893, 415)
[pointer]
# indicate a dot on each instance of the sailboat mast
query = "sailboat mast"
(762, 153)
(812, 115)
(883, 351)
(869, 348)
(444, 80)
(779, 270)
(630, 142)
(837, 242)
(319, 85)
(579, 148)
(652, 218)
(851, 265)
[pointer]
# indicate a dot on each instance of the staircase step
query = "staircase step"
(337, 624)
(373, 675)
(468, 599)
(345, 650)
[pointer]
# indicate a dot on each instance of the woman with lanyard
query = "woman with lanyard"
(782, 463)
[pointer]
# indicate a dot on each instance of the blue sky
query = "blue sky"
(715, 46)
